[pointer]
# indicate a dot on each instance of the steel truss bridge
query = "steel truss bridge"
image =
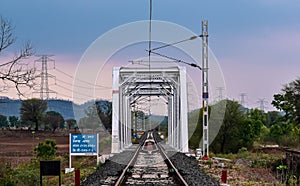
(130, 85)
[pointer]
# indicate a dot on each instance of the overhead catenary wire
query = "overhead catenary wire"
(177, 60)
(175, 43)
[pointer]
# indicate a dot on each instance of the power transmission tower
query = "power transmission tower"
(44, 75)
(262, 103)
(243, 96)
(220, 91)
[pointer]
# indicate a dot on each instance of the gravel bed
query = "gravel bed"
(190, 170)
(112, 167)
(109, 169)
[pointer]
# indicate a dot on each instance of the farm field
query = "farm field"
(17, 146)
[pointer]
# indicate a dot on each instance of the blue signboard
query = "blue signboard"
(83, 144)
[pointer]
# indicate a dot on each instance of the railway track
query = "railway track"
(146, 163)
(150, 166)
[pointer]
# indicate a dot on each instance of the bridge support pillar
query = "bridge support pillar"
(184, 146)
(115, 141)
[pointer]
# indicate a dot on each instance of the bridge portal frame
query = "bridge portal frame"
(130, 84)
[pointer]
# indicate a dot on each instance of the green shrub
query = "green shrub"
(27, 174)
(46, 150)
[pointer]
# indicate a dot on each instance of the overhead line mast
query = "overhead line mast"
(205, 87)
(149, 57)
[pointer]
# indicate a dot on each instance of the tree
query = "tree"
(272, 118)
(104, 110)
(33, 110)
(3, 121)
(276, 131)
(91, 120)
(54, 119)
(289, 101)
(14, 121)
(13, 71)
(229, 136)
(197, 133)
(257, 115)
(250, 131)
(72, 123)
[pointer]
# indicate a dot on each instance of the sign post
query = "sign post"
(49, 168)
(83, 145)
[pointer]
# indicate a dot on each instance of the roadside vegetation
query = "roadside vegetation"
(247, 128)
(245, 132)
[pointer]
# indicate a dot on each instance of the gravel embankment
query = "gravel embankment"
(112, 167)
(109, 169)
(190, 170)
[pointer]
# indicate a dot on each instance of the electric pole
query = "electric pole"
(205, 95)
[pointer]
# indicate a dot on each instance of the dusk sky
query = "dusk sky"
(257, 43)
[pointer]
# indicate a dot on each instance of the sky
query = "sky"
(256, 43)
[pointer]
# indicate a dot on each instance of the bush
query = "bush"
(27, 174)
(46, 150)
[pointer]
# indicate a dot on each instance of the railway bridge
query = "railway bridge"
(132, 85)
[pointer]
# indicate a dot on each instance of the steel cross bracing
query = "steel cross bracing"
(135, 85)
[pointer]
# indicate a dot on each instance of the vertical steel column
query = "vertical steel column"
(125, 122)
(183, 131)
(144, 123)
(122, 121)
(173, 121)
(205, 95)
(177, 121)
(115, 144)
(169, 142)
(129, 123)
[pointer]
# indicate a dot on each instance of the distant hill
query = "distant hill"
(11, 107)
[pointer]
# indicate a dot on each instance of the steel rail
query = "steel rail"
(178, 176)
(122, 177)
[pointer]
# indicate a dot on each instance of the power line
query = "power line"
(73, 91)
(79, 86)
(71, 96)
(72, 77)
